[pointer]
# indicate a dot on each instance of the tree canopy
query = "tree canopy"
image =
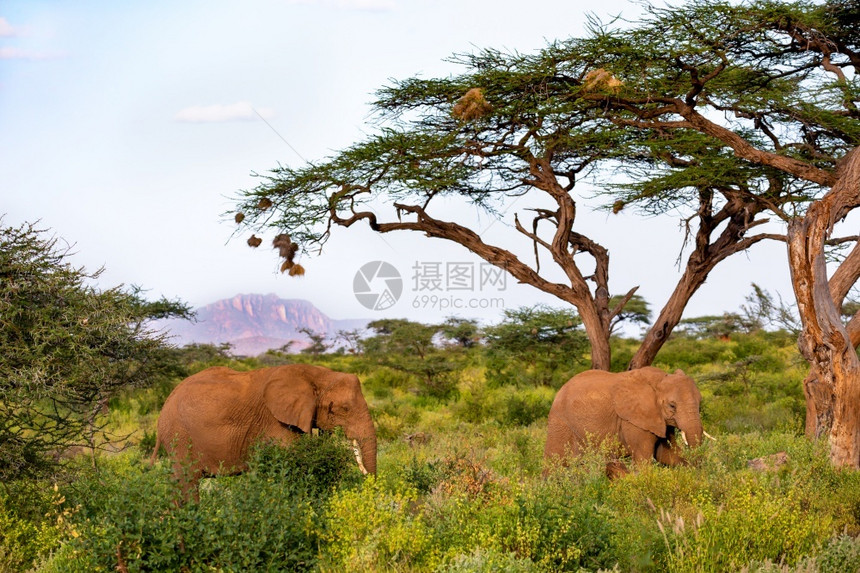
(66, 347)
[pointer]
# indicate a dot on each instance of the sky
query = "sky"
(128, 128)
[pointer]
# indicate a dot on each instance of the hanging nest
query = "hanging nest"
(264, 204)
(471, 106)
(600, 80)
(254, 241)
(287, 250)
(239, 217)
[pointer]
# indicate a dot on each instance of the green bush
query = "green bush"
(375, 528)
(465, 492)
(383, 379)
(130, 516)
(488, 560)
(839, 554)
(751, 523)
(33, 519)
(313, 466)
(478, 402)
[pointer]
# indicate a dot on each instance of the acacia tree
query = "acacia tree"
(774, 84)
(735, 112)
(527, 129)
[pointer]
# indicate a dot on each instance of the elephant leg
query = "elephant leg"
(667, 452)
(616, 469)
(639, 443)
(560, 444)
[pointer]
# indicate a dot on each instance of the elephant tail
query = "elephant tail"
(154, 456)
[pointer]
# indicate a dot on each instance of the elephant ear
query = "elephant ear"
(290, 399)
(636, 402)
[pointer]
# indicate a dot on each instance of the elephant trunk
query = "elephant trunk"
(692, 431)
(364, 447)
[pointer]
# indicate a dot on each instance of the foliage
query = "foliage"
(636, 310)
(462, 331)
(318, 343)
(129, 518)
(195, 355)
(718, 326)
(32, 523)
(65, 349)
(410, 347)
(548, 345)
(481, 401)
(725, 112)
(312, 466)
(459, 487)
(748, 381)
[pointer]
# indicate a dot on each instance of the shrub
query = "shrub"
(374, 528)
(313, 466)
(839, 554)
(33, 520)
(479, 403)
(130, 517)
(488, 560)
(753, 523)
(65, 349)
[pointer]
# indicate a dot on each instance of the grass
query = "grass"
(459, 488)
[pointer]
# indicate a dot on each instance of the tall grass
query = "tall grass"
(459, 488)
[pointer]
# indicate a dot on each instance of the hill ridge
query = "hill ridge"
(253, 323)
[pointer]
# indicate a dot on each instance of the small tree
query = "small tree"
(351, 340)
(65, 349)
(409, 347)
(535, 345)
(318, 343)
(463, 332)
(635, 310)
(716, 326)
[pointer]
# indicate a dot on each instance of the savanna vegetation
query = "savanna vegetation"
(459, 484)
(728, 113)
(731, 115)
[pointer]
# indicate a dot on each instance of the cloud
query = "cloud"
(9, 53)
(361, 5)
(239, 111)
(6, 29)
(367, 5)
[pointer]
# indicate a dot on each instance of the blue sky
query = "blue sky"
(128, 126)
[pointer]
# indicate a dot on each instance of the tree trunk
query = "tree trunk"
(597, 330)
(819, 397)
(670, 316)
(825, 342)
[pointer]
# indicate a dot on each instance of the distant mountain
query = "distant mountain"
(254, 323)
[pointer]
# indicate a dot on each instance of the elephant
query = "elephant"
(642, 408)
(211, 418)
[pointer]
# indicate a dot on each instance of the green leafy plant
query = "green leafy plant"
(66, 348)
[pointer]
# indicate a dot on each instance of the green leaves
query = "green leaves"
(535, 345)
(65, 349)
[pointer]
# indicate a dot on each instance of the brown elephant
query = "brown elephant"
(211, 418)
(642, 408)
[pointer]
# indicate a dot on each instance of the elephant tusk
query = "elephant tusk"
(357, 451)
(684, 438)
(709, 436)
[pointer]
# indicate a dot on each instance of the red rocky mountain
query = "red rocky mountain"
(254, 323)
